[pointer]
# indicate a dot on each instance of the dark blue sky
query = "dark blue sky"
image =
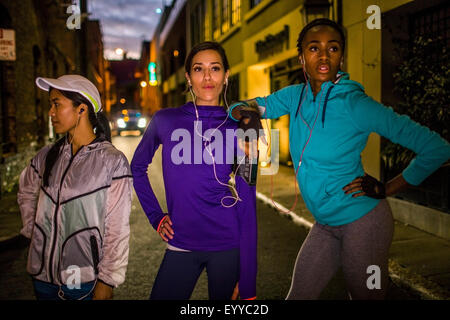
(126, 23)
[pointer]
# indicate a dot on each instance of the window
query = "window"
(206, 25)
(196, 24)
(235, 11)
(433, 23)
(403, 26)
(225, 15)
(199, 23)
(216, 19)
(254, 3)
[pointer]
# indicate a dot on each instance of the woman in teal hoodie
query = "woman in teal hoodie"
(331, 118)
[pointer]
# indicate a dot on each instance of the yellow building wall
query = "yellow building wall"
(363, 62)
(256, 81)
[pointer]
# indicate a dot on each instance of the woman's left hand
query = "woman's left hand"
(366, 186)
(102, 291)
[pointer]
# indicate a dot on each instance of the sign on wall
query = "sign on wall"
(272, 44)
(7, 45)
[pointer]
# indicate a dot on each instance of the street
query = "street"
(278, 245)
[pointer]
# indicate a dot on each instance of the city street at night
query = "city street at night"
(279, 240)
(289, 151)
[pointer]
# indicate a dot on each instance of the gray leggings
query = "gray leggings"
(354, 246)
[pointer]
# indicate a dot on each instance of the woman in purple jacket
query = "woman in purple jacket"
(206, 225)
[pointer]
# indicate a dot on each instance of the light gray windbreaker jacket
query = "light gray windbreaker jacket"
(81, 220)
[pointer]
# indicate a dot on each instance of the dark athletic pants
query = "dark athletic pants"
(179, 272)
(355, 246)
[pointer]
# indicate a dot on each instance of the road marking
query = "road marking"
(284, 211)
(402, 278)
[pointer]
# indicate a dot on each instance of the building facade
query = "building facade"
(44, 46)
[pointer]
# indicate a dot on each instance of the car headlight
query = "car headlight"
(142, 123)
(121, 123)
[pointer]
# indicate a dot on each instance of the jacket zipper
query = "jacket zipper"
(55, 219)
(95, 255)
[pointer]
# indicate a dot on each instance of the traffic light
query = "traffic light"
(152, 74)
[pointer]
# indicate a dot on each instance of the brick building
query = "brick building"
(44, 46)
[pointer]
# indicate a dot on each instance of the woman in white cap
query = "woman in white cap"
(75, 199)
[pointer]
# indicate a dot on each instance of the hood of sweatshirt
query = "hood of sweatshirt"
(329, 90)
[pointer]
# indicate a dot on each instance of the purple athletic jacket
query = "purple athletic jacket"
(193, 195)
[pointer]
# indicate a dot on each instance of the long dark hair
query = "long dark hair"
(98, 121)
(207, 45)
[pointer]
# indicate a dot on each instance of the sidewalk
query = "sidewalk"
(10, 221)
(419, 261)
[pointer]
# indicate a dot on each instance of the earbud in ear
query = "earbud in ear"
(226, 81)
(302, 59)
(81, 111)
(189, 83)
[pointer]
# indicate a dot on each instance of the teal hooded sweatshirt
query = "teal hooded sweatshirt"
(341, 117)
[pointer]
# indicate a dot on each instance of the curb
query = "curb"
(285, 212)
(401, 276)
(425, 288)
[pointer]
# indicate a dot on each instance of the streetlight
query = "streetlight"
(119, 51)
(143, 84)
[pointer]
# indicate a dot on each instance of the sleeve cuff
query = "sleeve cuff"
(234, 105)
(160, 222)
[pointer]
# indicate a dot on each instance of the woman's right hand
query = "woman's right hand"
(165, 229)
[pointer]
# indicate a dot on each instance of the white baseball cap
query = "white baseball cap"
(75, 83)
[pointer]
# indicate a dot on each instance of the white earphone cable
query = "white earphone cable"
(207, 145)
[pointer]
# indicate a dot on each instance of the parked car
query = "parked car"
(129, 120)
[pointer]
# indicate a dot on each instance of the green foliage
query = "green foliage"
(421, 82)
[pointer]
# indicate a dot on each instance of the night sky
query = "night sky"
(126, 23)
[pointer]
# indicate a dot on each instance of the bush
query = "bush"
(421, 82)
